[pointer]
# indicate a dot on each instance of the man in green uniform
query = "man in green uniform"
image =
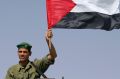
(27, 69)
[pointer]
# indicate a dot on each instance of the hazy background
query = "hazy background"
(82, 54)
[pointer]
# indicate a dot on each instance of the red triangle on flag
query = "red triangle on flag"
(57, 9)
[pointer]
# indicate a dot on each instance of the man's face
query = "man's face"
(23, 54)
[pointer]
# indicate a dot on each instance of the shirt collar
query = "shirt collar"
(28, 66)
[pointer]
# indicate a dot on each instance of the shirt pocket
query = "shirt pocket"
(33, 74)
(19, 75)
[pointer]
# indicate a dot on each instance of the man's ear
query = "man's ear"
(30, 53)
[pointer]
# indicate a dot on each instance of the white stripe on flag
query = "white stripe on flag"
(102, 6)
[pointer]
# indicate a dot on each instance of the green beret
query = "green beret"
(24, 45)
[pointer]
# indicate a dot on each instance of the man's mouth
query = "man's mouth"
(22, 57)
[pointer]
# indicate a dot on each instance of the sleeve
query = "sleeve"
(43, 64)
(9, 75)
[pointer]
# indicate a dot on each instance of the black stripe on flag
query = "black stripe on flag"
(89, 20)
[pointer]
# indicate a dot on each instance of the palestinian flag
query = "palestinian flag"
(83, 14)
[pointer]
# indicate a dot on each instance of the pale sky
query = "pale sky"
(82, 54)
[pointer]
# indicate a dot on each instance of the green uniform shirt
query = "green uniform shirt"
(29, 72)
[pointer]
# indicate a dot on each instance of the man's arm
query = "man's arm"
(9, 75)
(46, 61)
(52, 52)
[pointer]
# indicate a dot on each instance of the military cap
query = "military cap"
(24, 45)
